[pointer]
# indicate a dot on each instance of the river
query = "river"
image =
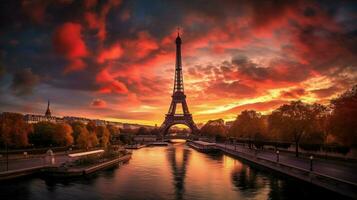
(173, 172)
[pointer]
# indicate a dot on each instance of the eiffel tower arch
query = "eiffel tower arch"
(178, 99)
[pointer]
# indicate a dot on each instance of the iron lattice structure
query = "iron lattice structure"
(178, 98)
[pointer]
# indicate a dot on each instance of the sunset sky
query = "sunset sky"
(115, 59)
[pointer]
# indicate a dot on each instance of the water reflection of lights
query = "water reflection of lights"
(231, 163)
(177, 141)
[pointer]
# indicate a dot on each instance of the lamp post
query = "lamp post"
(277, 156)
(311, 159)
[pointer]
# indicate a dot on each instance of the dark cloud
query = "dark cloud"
(2, 70)
(250, 69)
(326, 92)
(277, 70)
(24, 81)
(265, 13)
(232, 89)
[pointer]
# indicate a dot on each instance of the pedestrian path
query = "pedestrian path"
(334, 176)
(330, 168)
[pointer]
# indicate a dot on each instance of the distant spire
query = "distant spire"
(178, 31)
(48, 112)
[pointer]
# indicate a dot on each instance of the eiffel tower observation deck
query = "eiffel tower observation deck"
(178, 98)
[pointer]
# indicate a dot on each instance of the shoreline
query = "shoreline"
(56, 171)
(343, 187)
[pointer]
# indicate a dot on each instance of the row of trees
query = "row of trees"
(16, 133)
(296, 122)
(14, 130)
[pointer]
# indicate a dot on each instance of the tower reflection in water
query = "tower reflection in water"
(178, 156)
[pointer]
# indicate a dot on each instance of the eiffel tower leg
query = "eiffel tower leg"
(185, 107)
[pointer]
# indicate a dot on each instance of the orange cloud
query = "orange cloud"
(98, 103)
(112, 53)
(109, 83)
(68, 42)
(141, 46)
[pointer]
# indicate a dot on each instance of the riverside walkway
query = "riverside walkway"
(56, 165)
(337, 176)
(338, 169)
(38, 161)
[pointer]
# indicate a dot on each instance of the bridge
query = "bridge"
(152, 138)
(182, 137)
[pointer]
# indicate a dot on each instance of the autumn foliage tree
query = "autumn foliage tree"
(155, 131)
(114, 131)
(294, 121)
(214, 128)
(14, 130)
(103, 135)
(82, 139)
(92, 136)
(63, 134)
(248, 125)
(51, 134)
(343, 122)
(77, 129)
(319, 128)
(142, 131)
(114, 134)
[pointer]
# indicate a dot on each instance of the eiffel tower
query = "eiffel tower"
(178, 98)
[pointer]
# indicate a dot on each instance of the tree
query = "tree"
(214, 128)
(82, 139)
(91, 126)
(48, 134)
(86, 139)
(14, 130)
(114, 131)
(248, 125)
(155, 131)
(142, 131)
(92, 135)
(63, 135)
(93, 140)
(292, 121)
(42, 134)
(103, 134)
(319, 129)
(77, 128)
(343, 118)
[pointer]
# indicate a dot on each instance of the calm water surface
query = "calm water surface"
(174, 172)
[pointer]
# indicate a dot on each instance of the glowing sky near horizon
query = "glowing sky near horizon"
(115, 59)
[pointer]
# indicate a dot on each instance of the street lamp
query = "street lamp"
(277, 156)
(311, 159)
